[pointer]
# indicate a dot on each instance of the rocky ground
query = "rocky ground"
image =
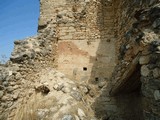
(49, 97)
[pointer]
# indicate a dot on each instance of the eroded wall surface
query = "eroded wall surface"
(86, 33)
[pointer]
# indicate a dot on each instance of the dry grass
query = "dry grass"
(29, 109)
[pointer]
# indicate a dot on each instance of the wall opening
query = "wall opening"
(96, 79)
(125, 103)
(130, 85)
(128, 95)
(84, 68)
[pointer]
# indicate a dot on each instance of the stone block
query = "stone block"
(156, 73)
(144, 60)
(1, 94)
(145, 71)
(67, 117)
(157, 95)
(42, 22)
(81, 113)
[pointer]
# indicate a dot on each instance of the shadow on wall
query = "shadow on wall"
(105, 58)
(124, 106)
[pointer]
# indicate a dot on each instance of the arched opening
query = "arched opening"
(125, 99)
(130, 84)
(128, 95)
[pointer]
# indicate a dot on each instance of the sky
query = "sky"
(18, 20)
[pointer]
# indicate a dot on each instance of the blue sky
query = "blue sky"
(18, 20)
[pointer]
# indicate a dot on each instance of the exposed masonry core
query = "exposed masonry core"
(86, 37)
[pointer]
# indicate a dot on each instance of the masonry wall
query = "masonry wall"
(126, 97)
(86, 37)
(94, 36)
(86, 40)
(138, 31)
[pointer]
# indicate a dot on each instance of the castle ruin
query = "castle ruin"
(91, 60)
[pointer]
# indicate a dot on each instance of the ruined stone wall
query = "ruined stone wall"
(18, 76)
(150, 81)
(86, 39)
(139, 31)
(29, 57)
(85, 31)
(135, 33)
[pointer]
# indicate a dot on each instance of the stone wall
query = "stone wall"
(29, 57)
(91, 41)
(150, 81)
(86, 37)
(132, 74)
